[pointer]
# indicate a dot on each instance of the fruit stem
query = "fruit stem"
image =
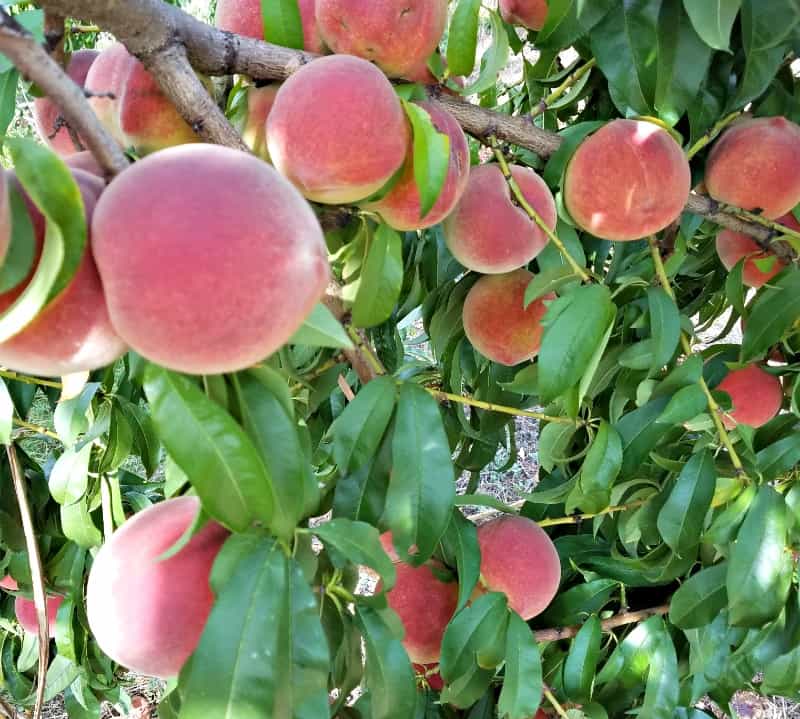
(35, 428)
(573, 79)
(535, 216)
(711, 134)
(8, 374)
(619, 620)
(554, 703)
(713, 407)
(472, 402)
(366, 351)
(37, 576)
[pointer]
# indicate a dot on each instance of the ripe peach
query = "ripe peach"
(400, 208)
(259, 104)
(337, 130)
(487, 232)
(106, 82)
(25, 610)
(732, 247)
(496, 321)
(73, 332)
(215, 279)
(243, 17)
(146, 613)
(87, 162)
(753, 166)
(528, 13)
(397, 35)
(520, 560)
(756, 396)
(9, 583)
(425, 605)
(628, 180)
(49, 122)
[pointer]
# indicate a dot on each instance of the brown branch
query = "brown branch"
(620, 620)
(37, 576)
(32, 60)
(357, 355)
(54, 34)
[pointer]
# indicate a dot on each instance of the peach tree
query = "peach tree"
(274, 278)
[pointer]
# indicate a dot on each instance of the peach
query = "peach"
(25, 610)
(756, 396)
(425, 605)
(215, 279)
(147, 613)
(106, 82)
(754, 166)
(487, 232)
(337, 130)
(400, 208)
(243, 17)
(87, 162)
(732, 247)
(528, 13)
(9, 583)
(520, 560)
(397, 35)
(259, 104)
(73, 333)
(49, 121)
(496, 321)
(628, 180)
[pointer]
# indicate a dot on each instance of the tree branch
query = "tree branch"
(54, 33)
(620, 620)
(32, 60)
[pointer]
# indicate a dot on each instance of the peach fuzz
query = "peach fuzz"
(496, 321)
(147, 613)
(213, 280)
(73, 333)
(106, 82)
(337, 130)
(47, 114)
(754, 166)
(25, 610)
(401, 206)
(243, 17)
(397, 35)
(531, 14)
(756, 396)
(259, 104)
(628, 180)
(519, 559)
(487, 232)
(425, 605)
(732, 247)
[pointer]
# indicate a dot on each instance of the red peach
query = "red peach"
(400, 208)
(244, 17)
(9, 583)
(147, 613)
(212, 280)
(628, 180)
(87, 162)
(106, 82)
(756, 396)
(397, 35)
(259, 104)
(496, 321)
(754, 166)
(528, 13)
(487, 232)
(25, 610)
(520, 560)
(337, 130)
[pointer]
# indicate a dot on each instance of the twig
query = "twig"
(37, 576)
(620, 620)
(355, 356)
(554, 703)
(54, 36)
(6, 710)
(27, 379)
(491, 407)
(711, 134)
(35, 428)
(557, 521)
(556, 94)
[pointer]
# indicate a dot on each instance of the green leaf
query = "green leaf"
(572, 606)
(773, 313)
(713, 20)
(422, 488)
(685, 404)
(359, 543)
(53, 190)
(9, 81)
(665, 326)
(21, 252)
(144, 432)
(574, 325)
(521, 694)
(322, 329)
(779, 457)
(431, 157)
(494, 59)
(726, 524)
(734, 287)
(782, 676)
(581, 662)
(389, 676)
(462, 38)
(78, 526)
(283, 23)
(681, 519)
(69, 478)
(554, 442)
(381, 278)
(760, 568)
(119, 441)
(662, 690)
(700, 598)
(357, 432)
(290, 478)
(460, 543)
(221, 462)
(548, 281)
(600, 469)
(70, 416)
(6, 413)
